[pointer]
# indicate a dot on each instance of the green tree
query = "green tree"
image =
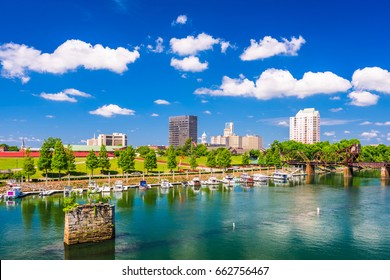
(245, 160)
(211, 161)
(150, 161)
(200, 150)
(59, 160)
(92, 161)
(126, 159)
(193, 163)
(46, 154)
(28, 165)
(254, 153)
(143, 151)
(71, 166)
(104, 161)
(171, 161)
(223, 158)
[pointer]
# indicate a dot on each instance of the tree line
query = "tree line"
(54, 156)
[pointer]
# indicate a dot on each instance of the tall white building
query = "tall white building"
(305, 126)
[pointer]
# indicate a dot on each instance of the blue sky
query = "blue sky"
(74, 68)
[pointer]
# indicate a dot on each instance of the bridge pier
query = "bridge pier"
(385, 172)
(348, 171)
(310, 169)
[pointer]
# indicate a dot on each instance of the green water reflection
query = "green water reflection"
(272, 221)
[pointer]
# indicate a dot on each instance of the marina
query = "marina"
(271, 221)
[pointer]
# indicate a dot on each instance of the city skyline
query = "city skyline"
(72, 69)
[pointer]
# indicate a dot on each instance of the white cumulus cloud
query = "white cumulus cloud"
(65, 95)
(110, 110)
(159, 48)
(269, 46)
(370, 134)
(372, 78)
(161, 102)
(18, 60)
(274, 83)
(329, 133)
(363, 98)
(335, 110)
(207, 112)
(182, 19)
(189, 64)
(154, 115)
(192, 45)
(283, 123)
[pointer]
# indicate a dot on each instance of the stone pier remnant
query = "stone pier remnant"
(89, 223)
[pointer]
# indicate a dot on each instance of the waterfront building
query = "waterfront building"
(181, 128)
(115, 139)
(305, 126)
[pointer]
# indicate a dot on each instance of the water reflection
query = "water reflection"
(272, 221)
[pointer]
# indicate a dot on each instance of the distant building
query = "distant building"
(239, 143)
(204, 138)
(181, 128)
(305, 126)
(252, 142)
(229, 129)
(115, 139)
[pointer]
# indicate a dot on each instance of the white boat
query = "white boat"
(118, 186)
(14, 192)
(246, 178)
(195, 182)
(280, 176)
(79, 190)
(212, 181)
(93, 187)
(228, 180)
(143, 185)
(68, 191)
(165, 184)
(259, 178)
(45, 192)
(105, 188)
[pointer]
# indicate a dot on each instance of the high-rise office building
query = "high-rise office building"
(181, 128)
(305, 126)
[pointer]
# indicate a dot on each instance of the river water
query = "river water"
(272, 222)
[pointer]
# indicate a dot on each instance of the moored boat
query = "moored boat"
(118, 186)
(143, 185)
(259, 178)
(68, 191)
(105, 188)
(195, 182)
(14, 192)
(165, 184)
(280, 176)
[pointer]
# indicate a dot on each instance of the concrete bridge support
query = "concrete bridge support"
(348, 171)
(310, 169)
(385, 172)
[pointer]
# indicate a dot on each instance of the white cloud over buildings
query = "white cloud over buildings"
(18, 60)
(363, 98)
(111, 110)
(276, 83)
